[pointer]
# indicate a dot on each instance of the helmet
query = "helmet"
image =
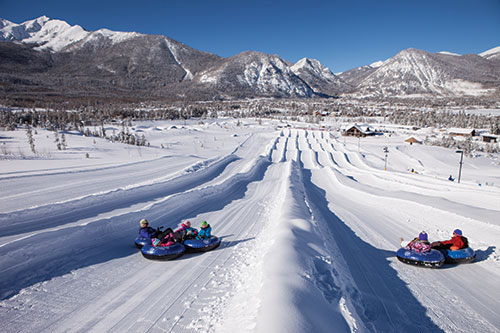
(458, 232)
(422, 236)
(187, 223)
(204, 224)
(143, 222)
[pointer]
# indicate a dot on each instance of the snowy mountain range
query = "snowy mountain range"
(417, 73)
(50, 57)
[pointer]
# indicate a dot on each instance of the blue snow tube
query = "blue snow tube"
(163, 252)
(202, 245)
(459, 256)
(433, 258)
(141, 241)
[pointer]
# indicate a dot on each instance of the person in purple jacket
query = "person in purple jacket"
(146, 231)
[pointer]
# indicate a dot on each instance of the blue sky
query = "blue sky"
(341, 34)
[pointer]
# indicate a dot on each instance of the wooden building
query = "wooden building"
(490, 137)
(358, 131)
(462, 132)
(411, 140)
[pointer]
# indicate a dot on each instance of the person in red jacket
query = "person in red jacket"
(456, 242)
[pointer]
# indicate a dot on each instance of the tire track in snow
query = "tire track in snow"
(176, 309)
(419, 286)
(54, 215)
(370, 295)
(214, 197)
(432, 197)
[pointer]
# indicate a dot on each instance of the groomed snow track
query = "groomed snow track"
(309, 231)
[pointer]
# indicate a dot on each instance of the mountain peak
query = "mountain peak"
(319, 77)
(491, 53)
(56, 35)
(311, 65)
(376, 64)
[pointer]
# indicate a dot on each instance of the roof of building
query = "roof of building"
(414, 138)
(460, 130)
(363, 128)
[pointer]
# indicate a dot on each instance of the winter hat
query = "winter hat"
(143, 222)
(204, 224)
(422, 236)
(458, 232)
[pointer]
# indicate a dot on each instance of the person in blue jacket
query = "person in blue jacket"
(146, 231)
(205, 231)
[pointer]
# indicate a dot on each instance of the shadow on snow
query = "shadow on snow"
(482, 255)
(56, 253)
(30, 220)
(382, 300)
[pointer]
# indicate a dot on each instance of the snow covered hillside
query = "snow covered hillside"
(309, 222)
(56, 35)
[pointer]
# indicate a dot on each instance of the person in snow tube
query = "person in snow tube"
(165, 238)
(205, 231)
(419, 244)
(456, 242)
(146, 231)
(185, 231)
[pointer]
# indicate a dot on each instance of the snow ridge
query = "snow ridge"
(56, 35)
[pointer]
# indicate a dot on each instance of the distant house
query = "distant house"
(411, 140)
(321, 113)
(462, 132)
(358, 131)
(490, 137)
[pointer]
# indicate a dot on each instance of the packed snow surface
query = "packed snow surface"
(309, 220)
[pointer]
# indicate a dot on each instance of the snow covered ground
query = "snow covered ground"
(309, 221)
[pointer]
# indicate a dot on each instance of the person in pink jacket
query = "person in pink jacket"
(419, 244)
(164, 239)
(185, 231)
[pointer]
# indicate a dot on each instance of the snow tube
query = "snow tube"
(202, 245)
(163, 253)
(459, 256)
(141, 241)
(432, 259)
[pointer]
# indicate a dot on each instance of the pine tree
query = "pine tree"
(57, 141)
(63, 141)
(31, 140)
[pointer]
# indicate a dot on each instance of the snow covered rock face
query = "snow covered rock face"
(254, 71)
(136, 61)
(125, 62)
(319, 77)
(56, 35)
(416, 73)
(491, 54)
